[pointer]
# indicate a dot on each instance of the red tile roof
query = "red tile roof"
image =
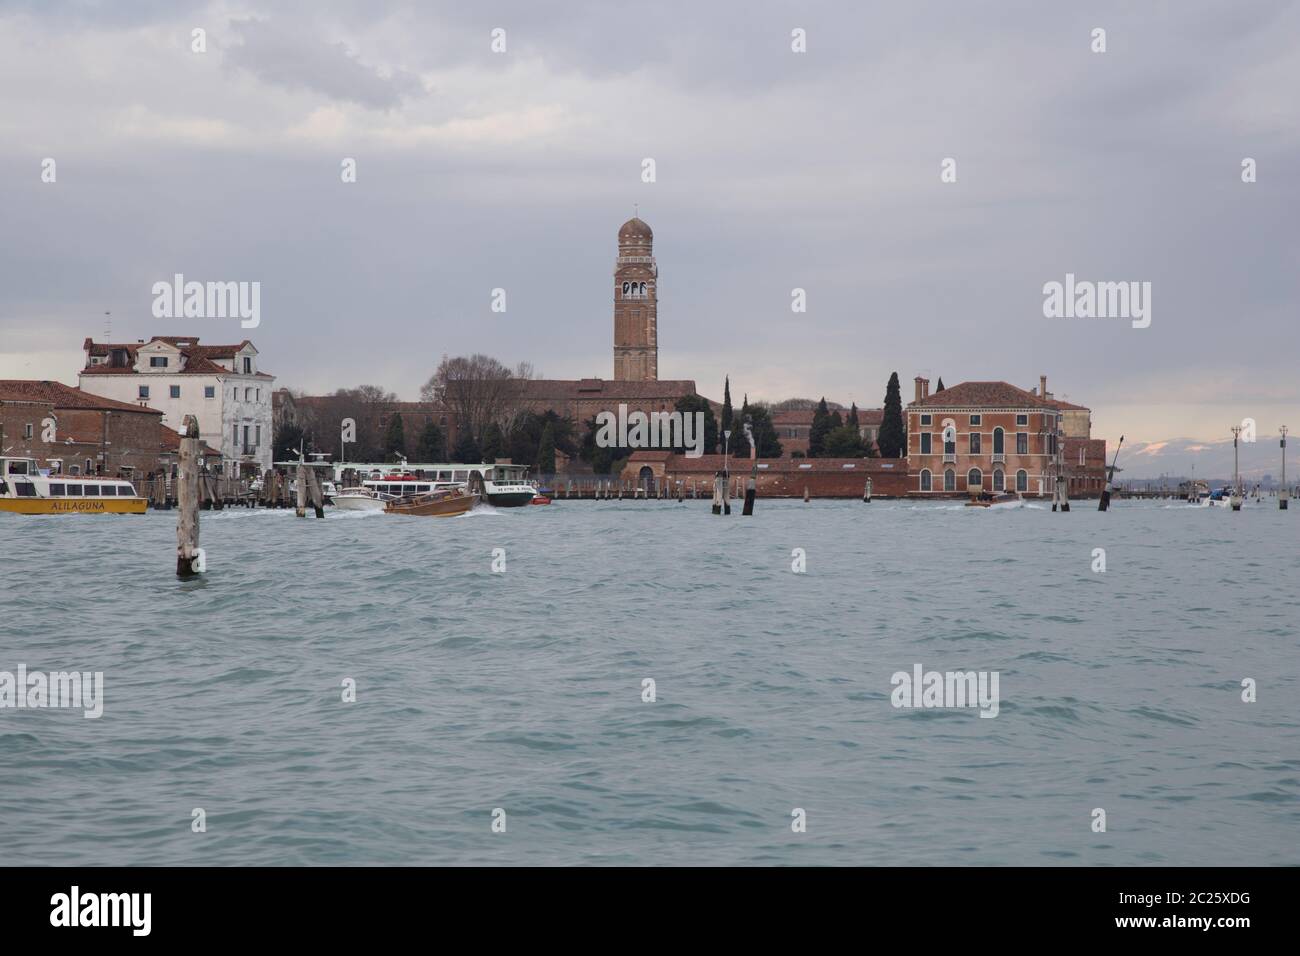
(982, 395)
(543, 389)
(64, 396)
(198, 358)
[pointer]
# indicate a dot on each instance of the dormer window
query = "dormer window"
(248, 365)
(157, 361)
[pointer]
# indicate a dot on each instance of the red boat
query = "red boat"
(540, 500)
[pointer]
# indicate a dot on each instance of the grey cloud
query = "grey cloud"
(293, 58)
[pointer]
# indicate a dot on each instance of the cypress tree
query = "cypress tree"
(821, 426)
(739, 443)
(546, 451)
(725, 424)
(892, 439)
(940, 388)
(853, 416)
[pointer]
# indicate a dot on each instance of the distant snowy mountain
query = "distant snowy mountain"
(1207, 460)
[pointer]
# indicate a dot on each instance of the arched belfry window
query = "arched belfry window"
(642, 290)
(627, 289)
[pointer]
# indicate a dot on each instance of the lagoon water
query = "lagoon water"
(522, 690)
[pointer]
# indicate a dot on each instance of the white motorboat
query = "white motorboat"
(362, 499)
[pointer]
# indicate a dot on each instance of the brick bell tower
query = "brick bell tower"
(636, 301)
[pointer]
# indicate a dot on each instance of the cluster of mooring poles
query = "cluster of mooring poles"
(721, 479)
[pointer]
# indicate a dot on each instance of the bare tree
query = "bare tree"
(476, 391)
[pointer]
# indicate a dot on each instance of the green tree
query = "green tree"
(892, 438)
(765, 437)
(494, 443)
(601, 459)
(844, 442)
(821, 426)
(285, 445)
(546, 451)
(394, 438)
(760, 423)
(739, 443)
(853, 416)
(432, 443)
(525, 440)
(467, 451)
(689, 405)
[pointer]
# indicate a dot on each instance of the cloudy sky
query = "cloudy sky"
(775, 170)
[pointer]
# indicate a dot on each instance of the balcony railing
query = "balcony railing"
(949, 456)
(250, 450)
(999, 458)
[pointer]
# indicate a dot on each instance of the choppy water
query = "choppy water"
(523, 690)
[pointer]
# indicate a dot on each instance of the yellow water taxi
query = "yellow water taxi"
(25, 491)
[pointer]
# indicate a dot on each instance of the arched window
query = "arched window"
(627, 289)
(999, 441)
(999, 480)
(974, 477)
(1022, 480)
(949, 480)
(641, 291)
(925, 479)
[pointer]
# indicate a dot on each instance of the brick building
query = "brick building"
(220, 385)
(1000, 438)
(71, 430)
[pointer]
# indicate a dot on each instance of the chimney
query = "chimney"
(922, 387)
(1042, 386)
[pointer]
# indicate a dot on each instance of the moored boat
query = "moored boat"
(444, 503)
(24, 490)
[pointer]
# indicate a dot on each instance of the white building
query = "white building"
(220, 385)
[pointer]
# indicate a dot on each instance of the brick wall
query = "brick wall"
(781, 477)
(16, 418)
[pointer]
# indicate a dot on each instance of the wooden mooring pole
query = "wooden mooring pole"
(189, 557)
(720, 503)
(313, 489)
(1104, 504)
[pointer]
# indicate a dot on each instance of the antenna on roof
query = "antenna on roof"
(108, 326)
